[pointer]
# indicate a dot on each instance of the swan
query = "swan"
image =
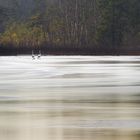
(33, 56)
(39, 55)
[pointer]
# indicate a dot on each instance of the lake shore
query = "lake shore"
(68, 51)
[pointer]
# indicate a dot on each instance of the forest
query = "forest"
(84, 27)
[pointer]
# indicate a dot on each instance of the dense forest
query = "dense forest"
(70, 26)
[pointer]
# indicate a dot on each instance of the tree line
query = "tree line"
(72, 25)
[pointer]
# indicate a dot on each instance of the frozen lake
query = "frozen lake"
(70, 98)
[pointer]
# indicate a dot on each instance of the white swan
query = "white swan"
(33, 56)
(39, 55)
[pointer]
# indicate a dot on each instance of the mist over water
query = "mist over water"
(70, 98)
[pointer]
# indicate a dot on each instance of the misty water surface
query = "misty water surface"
(70, 98)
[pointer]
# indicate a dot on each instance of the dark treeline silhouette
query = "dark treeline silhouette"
(70, 27)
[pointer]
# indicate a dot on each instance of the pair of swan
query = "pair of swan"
(38, 56)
